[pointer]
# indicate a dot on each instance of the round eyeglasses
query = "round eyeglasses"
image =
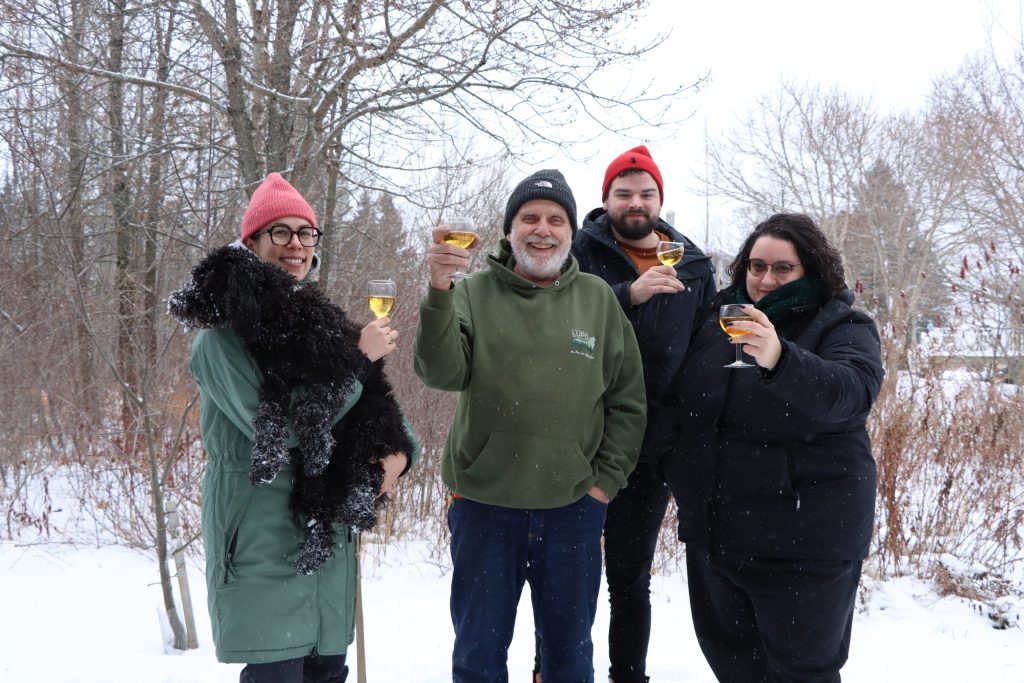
(779, 268)
(281, 235)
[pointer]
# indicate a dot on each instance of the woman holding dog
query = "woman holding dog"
(284, 626)
(772, 468)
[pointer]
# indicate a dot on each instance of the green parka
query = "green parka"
(261, 610)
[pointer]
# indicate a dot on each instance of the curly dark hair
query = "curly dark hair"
(819, 258)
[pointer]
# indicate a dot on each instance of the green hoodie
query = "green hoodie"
(552, 385)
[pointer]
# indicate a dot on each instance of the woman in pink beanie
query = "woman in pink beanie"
(288, 620)
(279, 226)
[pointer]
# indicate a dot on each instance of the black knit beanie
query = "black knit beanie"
(546, 184)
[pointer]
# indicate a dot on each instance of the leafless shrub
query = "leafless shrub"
(950, 450)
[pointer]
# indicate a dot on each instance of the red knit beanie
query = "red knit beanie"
(274, 198)
(638, 157)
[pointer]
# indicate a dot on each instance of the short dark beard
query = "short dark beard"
(632, 232)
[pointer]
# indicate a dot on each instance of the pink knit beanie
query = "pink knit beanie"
(274, 198)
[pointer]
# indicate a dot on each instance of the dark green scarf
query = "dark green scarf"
(792, 296)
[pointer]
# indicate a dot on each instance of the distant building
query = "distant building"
(961, 349)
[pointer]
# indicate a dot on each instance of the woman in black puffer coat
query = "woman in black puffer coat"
(772, 469)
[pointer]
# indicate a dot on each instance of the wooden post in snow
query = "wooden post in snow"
(174, 528)
(360, 639)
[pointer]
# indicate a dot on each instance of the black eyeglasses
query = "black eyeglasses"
(281, 235)
(779, 268)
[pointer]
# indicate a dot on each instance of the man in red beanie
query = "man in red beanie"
(627, 163)
(618, 242)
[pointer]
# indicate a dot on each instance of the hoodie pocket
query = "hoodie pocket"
(528, 470)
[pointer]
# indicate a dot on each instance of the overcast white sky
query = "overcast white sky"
(888, 50)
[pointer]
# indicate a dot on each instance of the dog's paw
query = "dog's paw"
(318, 548)
(312, 422)
(359, 510)
(265, 465)
(270, 429)
(315, 462)
(262, 474)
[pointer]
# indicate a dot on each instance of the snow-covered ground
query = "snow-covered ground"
(90, 615)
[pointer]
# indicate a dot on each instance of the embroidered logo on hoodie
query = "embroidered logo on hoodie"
(583, 344)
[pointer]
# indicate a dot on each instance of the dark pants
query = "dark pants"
(768, 620)
(630, 539)
(495, 551)
(311, 669)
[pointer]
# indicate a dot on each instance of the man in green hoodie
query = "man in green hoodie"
(548, 427)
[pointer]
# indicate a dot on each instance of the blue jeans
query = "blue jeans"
(495, 550)
(630, 539)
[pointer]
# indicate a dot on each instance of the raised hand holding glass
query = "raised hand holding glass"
(461, 233)
(380, 294)
(670, 253)
(732, 313)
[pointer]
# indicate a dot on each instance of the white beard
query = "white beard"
(544, 267)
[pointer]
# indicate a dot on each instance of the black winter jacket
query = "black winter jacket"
(779, 465)
(663, 325)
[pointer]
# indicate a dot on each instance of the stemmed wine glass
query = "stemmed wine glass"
(731, 313)
(670, 253)
(461, 233)
(380, 294)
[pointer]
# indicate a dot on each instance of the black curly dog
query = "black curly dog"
(298, 337)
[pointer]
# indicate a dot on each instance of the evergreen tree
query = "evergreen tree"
(889, 259)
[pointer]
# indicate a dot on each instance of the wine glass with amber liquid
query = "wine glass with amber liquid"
(380, 294)
(461, 233)
(728, 314)
(669, 253)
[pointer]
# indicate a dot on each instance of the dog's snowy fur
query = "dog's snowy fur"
(298, 337)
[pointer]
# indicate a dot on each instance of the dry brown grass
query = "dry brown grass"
(950, 451)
